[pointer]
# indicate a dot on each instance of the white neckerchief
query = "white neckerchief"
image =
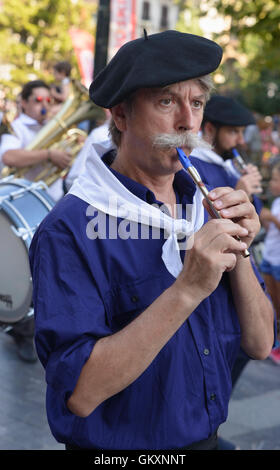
(209, 156)
(99, 187)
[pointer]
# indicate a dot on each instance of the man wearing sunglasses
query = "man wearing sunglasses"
(35, 105)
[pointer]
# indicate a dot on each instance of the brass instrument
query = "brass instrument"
(61, 133)
(5, 127)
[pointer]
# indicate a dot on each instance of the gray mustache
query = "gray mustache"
(186, 139)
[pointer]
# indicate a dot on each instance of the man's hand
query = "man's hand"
(215, 249)
(236, 206)
(250, 182)
(214, 252)
(60, 158)
(266, 217)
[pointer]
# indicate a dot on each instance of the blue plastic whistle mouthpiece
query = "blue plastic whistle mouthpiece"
(183, 158)
(235, 153)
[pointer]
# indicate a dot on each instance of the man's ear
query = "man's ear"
(209, 130)
(23, 103)
(119, 116)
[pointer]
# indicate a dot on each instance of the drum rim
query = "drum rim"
(19, 220)
(25, 306)
(11, 210)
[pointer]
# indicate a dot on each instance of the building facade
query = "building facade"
(128, 19)
(155, 16)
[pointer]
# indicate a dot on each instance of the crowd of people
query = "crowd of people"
(34, 108)
(36, 105)
(168, 323)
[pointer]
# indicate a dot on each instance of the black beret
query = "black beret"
(153, 61)
(224, 111)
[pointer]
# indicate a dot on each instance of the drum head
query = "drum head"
(15, 276)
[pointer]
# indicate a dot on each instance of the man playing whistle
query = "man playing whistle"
(138, 337)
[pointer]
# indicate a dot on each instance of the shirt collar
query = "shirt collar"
(183, 184)
(29, 121)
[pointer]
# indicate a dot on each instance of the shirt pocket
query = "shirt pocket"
(123, 303)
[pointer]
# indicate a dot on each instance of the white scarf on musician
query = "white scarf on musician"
(209, 156)
(97, 185)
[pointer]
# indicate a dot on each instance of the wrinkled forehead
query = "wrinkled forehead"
(194, 85)
(181, 89)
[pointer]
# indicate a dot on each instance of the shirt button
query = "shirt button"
(134, 298)
(213, 396)
(206, 352)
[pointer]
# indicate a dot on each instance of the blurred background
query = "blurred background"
(37, 34)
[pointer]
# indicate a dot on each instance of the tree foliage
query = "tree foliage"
(250, 41)
(257, 21)
(36, 35)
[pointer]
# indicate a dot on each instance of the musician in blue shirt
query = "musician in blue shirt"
(138, 337)
(224, 123)
(223, 126)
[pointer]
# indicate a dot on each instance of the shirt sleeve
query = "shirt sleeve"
(275, 208)
(9, 142)
(257, 203)
(263, 286)
(69, 313)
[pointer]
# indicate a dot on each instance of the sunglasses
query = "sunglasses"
(40, 99)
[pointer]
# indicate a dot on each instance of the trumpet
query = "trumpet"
(61, 133)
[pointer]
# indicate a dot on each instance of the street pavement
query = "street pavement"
(254, 411)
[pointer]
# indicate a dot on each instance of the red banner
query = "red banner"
(122, 29)
(83, 43)
(122, 24)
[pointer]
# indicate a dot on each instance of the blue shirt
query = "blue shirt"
(86, 289)
(216, 176)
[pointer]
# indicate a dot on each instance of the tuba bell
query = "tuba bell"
(61, 133)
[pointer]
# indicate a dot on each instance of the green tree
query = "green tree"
(250, 40)
(256, 22)
(36, 35)
(189, 14)
(256, 27)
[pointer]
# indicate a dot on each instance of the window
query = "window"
(164, 17)
(146, 11)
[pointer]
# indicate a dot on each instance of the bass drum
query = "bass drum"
(23, 205)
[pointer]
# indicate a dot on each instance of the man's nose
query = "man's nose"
(185, 121)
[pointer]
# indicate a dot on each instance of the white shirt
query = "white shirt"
(271, 251)
(99, 134)
(26, 128)
(65, 81)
